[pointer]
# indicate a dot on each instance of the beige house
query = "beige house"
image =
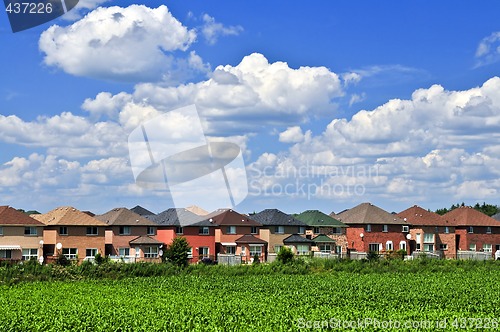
(20, 236)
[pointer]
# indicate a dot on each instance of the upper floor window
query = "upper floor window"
(151, 230)
(179, 230)
(92, 230)
(30, 231)
(279, 229)
(302, 229)
(385, 228)
(203, 230)
(488, 230)
(124, 230)
(231, 229)
(253, 230)
(63, 230)
(369, 228)
(471, 229)
(316, 230)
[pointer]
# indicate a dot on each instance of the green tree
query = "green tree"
(285, 255)
(177, 252)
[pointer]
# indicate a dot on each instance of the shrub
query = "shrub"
(177, 252)
(62, 260)
(256, 259)
(372, 256)
(285, 255)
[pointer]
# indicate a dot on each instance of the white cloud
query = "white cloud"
(211, 29)
(132, 44)
(488, 50)
(292, 135)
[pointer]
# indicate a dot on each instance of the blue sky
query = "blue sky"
(333, 103)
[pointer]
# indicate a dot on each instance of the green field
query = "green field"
(272, 302)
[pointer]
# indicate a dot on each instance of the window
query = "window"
(325, 247)
(30, 231)
(279, 229)
(385, 228)
(471, 229)
(277, 248)
(443, 246)
(231, 250)
(375, 247)
(436, 229)
(338, 249)
(70, 253)
(190, 252)
(302, 229)
(428, 238)
(402, 245)
(488, 230)
(137, 252)
(204, 252)
(231, 229)
(368, 228)
(417, 240)
(243, 250)
(92, 230)
(151, 252)
(63, 230)
(124, 230)
(389, 245)
(179, 230)
(203, 230)
(6, 254)
(338, 230)
(428, 247)
(124, 252)
(447, 230)
(406, 229)
(253, 230)
(151, 230)
(472, 247)
(1, 230)
(302, 249)
(255, 250)
(316, 230)
(487, 247)
(90, 252)
(30, 254)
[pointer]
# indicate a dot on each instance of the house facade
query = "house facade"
(21, 237)
(372, 229)
(73, 233)
(130, 236)
(474, 230)
(430, 233)
(277, 226)
(322, 224)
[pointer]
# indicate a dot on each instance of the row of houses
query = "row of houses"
(137, 234)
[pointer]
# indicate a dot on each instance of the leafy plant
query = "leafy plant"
(177, 252)
(285, 255)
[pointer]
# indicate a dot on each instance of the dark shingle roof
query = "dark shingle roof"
(145, 240)
(141, 211)
(124, 217)
(467, 216)
(250, 239)
(228, 217)
(275, 217)
(11, 216)
(367, 213)
(179, 217)
(318, 219)
(419, 216)
(295, 238)
(322, 238)
(496, 216)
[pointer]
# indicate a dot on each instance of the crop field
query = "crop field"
(463, 300)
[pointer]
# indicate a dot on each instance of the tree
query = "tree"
(177, 252)
(285, 255)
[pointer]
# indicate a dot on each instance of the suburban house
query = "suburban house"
(21, 237)
(300, 245)
(72, 233)
(130, 236)
(141, 211)
(474, 230)
(372, 229)
(323, 224)
(430, 233)
(199, 232)
(276, 227)
(237, 234)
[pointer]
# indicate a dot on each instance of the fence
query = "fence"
(357, 255)
(475, 255)
(226, 259)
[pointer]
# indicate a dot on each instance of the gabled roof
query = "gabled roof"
(145, 240)
(416, 215)
(322, 238)
(179, 217)
(295, 238)
(367, 213)
(467, 216)
(141, 211)
(496, 216)
(228, 217)
(67, 216)
(249, 239)
(124, 217)
(10, 216)
(197, 210)
(317, 218)
(275, 217)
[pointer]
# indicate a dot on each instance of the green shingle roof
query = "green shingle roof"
(322, 238)
(317, 218)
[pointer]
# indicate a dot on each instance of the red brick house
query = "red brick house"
(72, 233)
(198, 231)
(21, 237)
(374, 229)
(430, 233)
(130, 236)
(474, 230)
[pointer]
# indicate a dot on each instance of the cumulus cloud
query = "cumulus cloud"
(211, 29)
(488, 50)
(136, 43)
(292, 135)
